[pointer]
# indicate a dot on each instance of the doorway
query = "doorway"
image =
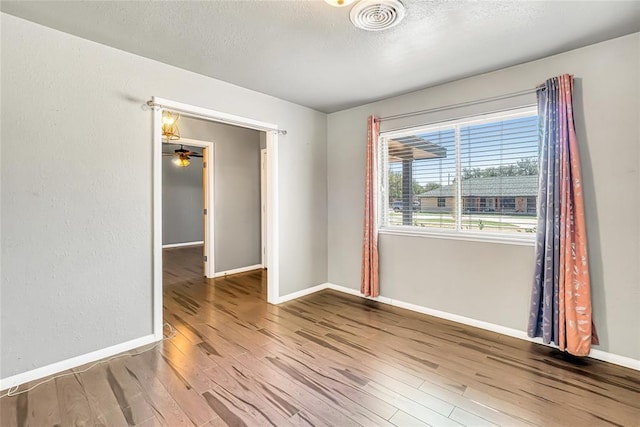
(187, 219)
(271, 205)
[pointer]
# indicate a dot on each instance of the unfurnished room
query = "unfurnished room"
(320, 213)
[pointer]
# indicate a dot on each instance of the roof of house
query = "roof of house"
(495, 186)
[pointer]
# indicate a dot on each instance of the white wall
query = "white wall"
(76, 203)
(488, 281)
(181, 199)
(236, 170)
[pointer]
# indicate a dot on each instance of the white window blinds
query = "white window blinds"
(477, 175)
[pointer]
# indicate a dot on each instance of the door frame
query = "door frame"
(263, 205)
(208, 200)
(272, 131)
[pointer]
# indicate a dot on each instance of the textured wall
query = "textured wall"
(488, 281)
(236, 169)
(76, 204)
(182, 199)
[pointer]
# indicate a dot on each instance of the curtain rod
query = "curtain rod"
(155, 105)
(413, 126)
(461, 104)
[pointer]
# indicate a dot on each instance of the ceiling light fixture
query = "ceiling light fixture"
(170, 130)
(339, 3)
(181, 160)
(377, 15)
(182, 156)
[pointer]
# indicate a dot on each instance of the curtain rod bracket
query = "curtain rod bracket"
(150, 105)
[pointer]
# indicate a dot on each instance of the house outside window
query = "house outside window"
(476, 175)
(509, 204)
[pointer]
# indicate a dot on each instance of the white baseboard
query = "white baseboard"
(515, 333)
(616, 359)
(181, 245)
(238, 270)
(74, 362)
(302, 293)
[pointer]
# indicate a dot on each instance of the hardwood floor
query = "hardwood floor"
(325, 359)
(182, 264)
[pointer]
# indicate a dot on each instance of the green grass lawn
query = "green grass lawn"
(446, 221)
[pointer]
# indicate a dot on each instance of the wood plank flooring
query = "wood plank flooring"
(327, 359)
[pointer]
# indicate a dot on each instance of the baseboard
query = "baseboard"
(301, 293)
(182, 245)
(238, 270)
(74, 362)
(616, 359)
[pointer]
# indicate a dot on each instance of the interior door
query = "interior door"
(263, 203)
(208, 152)
(205, 213)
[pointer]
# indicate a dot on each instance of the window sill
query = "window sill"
(528, 240)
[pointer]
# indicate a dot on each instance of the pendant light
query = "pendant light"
(170, 130)
(339, 3)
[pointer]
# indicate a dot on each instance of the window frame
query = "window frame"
(526, 239)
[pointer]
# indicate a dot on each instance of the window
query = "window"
(508, 204)
(531, 205)
(474, 175)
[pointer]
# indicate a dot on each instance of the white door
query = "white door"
(205, 205)
(263, 203)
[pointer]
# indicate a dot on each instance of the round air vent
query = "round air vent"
(376, 15)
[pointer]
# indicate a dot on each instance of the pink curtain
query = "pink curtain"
(369, 285)
(561, 295)
(575, 284)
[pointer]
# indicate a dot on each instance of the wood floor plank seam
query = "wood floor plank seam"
(325, 359)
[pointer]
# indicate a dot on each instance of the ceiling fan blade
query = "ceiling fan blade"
(190, 153)
(195, 155)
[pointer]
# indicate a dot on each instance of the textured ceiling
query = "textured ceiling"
(308, 52)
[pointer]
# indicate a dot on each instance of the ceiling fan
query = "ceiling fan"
(182, 156)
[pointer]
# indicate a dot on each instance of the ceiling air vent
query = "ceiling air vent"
(376, 15)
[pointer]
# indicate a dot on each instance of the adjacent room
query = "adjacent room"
(324, 213)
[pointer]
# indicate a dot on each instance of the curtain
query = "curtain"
(561, 296)
(369, 285)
